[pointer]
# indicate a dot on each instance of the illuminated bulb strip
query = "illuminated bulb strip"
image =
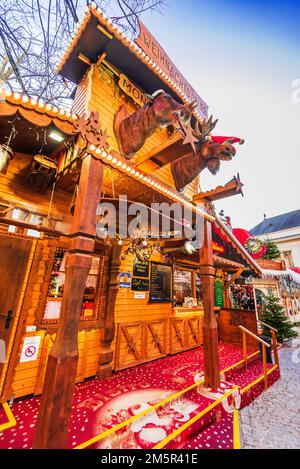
(148, 181)
(32, 102)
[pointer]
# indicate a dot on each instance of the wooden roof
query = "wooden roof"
(33, 120)
(96, 34)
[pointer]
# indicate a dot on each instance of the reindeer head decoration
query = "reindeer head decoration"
(167, 111)
(208, 152)
(161, 111)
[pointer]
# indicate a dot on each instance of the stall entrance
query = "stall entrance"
(15, 255)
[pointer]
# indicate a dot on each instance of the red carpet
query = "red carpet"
(99, 405)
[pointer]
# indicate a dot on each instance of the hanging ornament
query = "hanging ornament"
(6, 155)
(255, 247)
(6, 152)
(73, 201)
(41, 173)
(140, 246)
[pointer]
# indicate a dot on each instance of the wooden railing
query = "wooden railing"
(274, 340)
(264, 344)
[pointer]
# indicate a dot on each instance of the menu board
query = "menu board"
(140, 268)
(160, 283)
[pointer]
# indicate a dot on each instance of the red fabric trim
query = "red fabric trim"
(221, 139)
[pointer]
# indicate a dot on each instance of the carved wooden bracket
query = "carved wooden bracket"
(90, 130)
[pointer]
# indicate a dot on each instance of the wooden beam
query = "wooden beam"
(56, 402)
(31, 226)
(143, 158)
(233, 187)
(210, 327)
(101, 58)
(84, 59)
(233, 278)
(104, 31)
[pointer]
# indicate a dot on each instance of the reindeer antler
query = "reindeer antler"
(203, 128)
(192, 106)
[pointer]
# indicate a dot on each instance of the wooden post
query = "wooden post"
(56, 402)
(226, 293)
(210, 328)
(113, 263)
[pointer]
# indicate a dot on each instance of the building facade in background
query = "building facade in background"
(284, 229)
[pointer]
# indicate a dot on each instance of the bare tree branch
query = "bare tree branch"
(34, 33)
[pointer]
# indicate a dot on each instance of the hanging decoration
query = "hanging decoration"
(204, 151)
(255, 247)
(6, 152)
(6, 155)
(139, 245)
(41, 173)
(133, 130)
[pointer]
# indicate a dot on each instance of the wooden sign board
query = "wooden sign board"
(133, 91)
(160, 283)
(153, 49)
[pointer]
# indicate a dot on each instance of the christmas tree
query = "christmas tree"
(273, 315)
(272, 251)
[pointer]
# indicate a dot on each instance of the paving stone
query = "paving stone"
(273, 419)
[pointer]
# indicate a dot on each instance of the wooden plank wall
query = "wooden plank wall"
(29, 376)
(133, 312)
(229, 321)
(145, 331)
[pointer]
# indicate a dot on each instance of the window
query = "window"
(27, 217)
(288, 257)
(183, 286)
(56, 288)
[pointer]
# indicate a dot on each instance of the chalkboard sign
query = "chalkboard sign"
(160, 283)
(140, 268)
(140, 284)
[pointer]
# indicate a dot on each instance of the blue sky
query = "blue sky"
(242, 58)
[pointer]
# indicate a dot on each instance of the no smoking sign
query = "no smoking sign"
(30, 348)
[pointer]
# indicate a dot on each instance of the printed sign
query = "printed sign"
(125, 280)
(153, 49)
(219, 288)
(30, 348)
(139, 295)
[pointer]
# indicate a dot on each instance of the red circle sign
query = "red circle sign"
(30, 351)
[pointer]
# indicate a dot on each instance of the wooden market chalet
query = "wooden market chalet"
(135, 131)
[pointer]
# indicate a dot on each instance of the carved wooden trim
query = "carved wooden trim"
(160, 340)
(144, 332)
(131, 345)
(179, 335)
